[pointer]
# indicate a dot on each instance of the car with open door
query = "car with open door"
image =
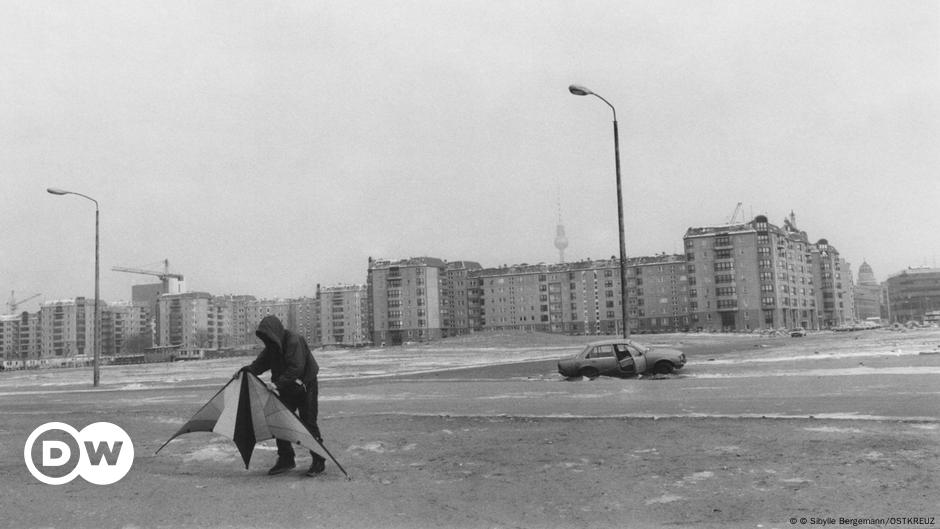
(620, 357)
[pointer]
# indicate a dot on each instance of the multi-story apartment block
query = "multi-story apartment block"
(343, 315)
(20, 338)
(188, 320)
(304, 319)
(10, 337)
(460, 311)
(584, 297)
(836, 291)
(67, 328)
(238, 323)
(121, 323)
(750, 276)
(658, 294)
(404, 299)
(912, 293)
(30, 336)
(260, 308)
(522, 297)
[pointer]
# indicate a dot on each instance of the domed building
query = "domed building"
(867, 294)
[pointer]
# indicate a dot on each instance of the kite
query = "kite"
(247, 412)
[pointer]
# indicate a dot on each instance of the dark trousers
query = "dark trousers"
(304, 402)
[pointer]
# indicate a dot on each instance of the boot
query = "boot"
(317, 465)
(282, 465)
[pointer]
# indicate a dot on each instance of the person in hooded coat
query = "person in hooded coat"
(294, 375)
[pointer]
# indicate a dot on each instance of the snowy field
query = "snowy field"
(710, 356)
(751, 432)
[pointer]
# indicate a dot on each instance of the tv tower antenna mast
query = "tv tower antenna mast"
(561, 241)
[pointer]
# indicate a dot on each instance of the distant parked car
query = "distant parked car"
(620, 357)
(799, 332)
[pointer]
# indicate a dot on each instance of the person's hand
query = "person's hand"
(241, 370)
(272, 388)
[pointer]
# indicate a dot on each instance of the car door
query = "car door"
(639, 358)
(625, 360)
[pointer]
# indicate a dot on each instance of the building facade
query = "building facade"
(343, 315)
(460, 310)
(867, 294)
(67, 328)
(189, 320)
(912, 293)
(404, 300)
(837, 292)
(757, 275)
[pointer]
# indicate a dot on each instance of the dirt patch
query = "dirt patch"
(413, 471)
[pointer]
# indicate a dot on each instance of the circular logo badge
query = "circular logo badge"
(104, 453)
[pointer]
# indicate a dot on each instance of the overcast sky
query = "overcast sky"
(265, 147)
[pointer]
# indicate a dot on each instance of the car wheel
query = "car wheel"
(663, 368)
(588, 372)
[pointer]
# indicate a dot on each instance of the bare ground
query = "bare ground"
(494, 472)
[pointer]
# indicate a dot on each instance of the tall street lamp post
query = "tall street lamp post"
(97, 349)
(582, 91)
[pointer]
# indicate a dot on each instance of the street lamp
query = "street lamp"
(582, 91)
(97, 349)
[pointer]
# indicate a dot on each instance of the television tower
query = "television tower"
(561, 241)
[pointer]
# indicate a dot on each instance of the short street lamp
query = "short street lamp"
(97, 349)
(582, 91)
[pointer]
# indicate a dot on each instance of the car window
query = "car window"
(602, 351)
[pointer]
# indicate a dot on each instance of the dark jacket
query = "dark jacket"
(285, 353)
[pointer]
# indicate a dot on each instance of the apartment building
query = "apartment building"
(584, 297)
(751, 276)
(836, 289)
(9, 337)
(404, 299)
(658, 294)
(343, 315)
(304, 319)
(67, 327)
(460, 309)
(20, 339)
(121, 323)
(190, 320)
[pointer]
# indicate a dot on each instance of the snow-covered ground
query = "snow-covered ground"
(815, 355)
(334, 364)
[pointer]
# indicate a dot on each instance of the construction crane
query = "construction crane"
(14, 303)
(164, 276)
(735, 214)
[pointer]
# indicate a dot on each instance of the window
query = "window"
(602, 351)
(727, 303)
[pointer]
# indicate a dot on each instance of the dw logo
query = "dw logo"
(102, 453)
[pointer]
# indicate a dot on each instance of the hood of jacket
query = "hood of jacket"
(270, 330)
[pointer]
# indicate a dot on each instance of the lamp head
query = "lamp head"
(57, 191)
(579, 90)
